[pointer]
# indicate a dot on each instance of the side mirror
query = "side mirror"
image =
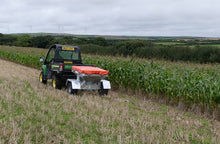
(41, 59)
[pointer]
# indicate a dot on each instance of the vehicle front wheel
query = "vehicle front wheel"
(41, 78)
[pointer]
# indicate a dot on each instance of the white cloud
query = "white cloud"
(124, 17)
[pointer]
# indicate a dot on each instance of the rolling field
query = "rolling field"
(193, 84)
(34, 113)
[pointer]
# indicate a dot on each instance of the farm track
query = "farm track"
(34, 113)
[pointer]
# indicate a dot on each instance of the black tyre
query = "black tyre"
(102, 91)
(56, 83)
(41, 78)
(70, 90)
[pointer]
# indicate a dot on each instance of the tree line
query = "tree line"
(137, 48)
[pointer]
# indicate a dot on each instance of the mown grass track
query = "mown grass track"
(34, 113)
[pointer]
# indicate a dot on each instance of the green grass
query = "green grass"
(206, 45)
(200, 43)
(215, 45)
(33, 116)
(169, 43)
(36, 118)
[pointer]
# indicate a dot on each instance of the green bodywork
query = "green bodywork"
(44, 68)
(54, 66)
(69, 67)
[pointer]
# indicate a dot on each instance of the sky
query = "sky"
(112, 17)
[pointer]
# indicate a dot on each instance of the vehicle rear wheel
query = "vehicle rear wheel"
(41, 78)
(56, 83)
(70, 90)
(102, 91)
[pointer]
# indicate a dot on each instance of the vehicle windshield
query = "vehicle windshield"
(68, 55)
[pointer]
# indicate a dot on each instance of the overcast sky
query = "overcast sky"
(112, 17)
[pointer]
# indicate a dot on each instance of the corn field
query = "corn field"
(190, 84)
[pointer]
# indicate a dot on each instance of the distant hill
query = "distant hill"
(115, 37)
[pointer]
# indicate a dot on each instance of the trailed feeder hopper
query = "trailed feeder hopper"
(88, 78)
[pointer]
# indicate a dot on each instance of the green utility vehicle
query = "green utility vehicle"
(58, 64)
(64, 66)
